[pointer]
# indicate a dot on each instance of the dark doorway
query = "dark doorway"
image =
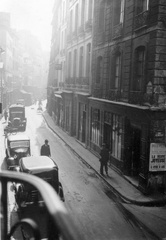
(135, 150)
(107, 135)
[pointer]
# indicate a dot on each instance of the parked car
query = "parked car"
(16, 119)
(43, 167)
(17, 146)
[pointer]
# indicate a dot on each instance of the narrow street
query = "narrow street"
(97, 214)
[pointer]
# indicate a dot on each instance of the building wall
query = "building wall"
(140, 89)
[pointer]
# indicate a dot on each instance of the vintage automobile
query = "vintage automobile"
(43, 167)
(16, 120)
(17, 146)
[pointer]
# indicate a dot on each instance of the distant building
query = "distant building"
(23, 63)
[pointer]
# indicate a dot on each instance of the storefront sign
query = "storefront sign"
(157, 159)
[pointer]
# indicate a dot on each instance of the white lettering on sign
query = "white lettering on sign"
(18, 144)
(157, 158)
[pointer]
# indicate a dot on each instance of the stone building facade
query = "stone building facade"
(69, 86)
(114, 85)
(128, 102)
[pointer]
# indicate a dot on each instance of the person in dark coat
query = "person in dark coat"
(104, 157)
(45, 149)
(6, 115)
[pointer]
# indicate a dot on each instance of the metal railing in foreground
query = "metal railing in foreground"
(60, 222)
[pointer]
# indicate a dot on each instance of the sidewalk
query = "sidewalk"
(118, 184)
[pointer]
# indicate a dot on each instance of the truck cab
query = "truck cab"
(16, 120)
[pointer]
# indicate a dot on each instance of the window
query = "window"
(101, 17)
(81, 67)
(90, 9)
(142, 6)
(69, 65)
(88, 60)
(76, 18)
(71, 21)
(139, 69)
(75, 63)
(118, 11)
(116, 72)
(99, 69)
(83, 12)
(95, 123)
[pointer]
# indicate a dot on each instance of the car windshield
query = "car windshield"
(19, 144)
(16, 114)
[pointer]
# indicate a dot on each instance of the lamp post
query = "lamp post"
(1, 79)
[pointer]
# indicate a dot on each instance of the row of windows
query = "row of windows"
(79, 62)
(118, 10)
(116, 69)
(81, 13)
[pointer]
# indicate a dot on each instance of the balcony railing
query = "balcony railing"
(117, 31)
(141, 20)
(62, 226)
(136, 97)
(114, 95)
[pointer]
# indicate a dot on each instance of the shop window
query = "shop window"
(117, 136)
(118, 12)
(95, 123)
(142, 6)
(139, 69)
(99, 69)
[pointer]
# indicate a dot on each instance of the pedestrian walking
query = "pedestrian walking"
(45, 149)
(104, 158)
(6, 115)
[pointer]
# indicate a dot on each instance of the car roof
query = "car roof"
(34, 163)
(18, 137)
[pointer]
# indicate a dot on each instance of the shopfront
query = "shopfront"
(136, 138)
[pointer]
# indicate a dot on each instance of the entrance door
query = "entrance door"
(135, 150)
(83, 126)
(107, 135)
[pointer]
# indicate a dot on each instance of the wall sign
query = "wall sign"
(157, 158)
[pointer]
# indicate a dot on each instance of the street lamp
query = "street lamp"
(1, 80)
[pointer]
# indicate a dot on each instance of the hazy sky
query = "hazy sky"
(33, 15)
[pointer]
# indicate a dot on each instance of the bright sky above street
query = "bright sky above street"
(32, 15)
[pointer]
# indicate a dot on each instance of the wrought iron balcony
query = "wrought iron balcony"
(60, 224)
(136, 97)
(113, 95)
(117, 31)
(141, 20)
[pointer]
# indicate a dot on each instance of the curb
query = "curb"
(124, 199)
